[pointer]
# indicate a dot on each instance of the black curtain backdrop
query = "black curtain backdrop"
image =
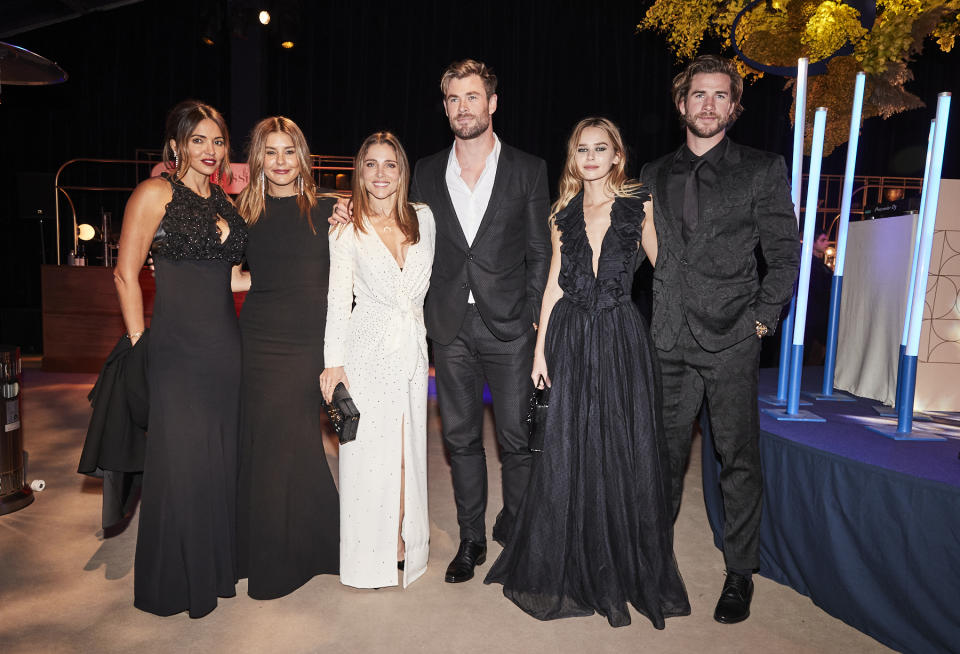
(358, 67)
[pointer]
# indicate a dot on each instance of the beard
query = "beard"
(690, 122)
(472, 130)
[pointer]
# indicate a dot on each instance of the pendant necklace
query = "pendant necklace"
(383, 225)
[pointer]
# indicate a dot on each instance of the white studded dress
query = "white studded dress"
(382, 345)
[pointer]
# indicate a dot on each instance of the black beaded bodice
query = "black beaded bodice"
(189, 227)
(619, 255)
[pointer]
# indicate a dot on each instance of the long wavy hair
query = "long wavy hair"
(250, 202)
(571, 183)
(181, 121)
(406, 214)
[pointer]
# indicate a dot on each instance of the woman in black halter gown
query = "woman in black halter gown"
(186, 552)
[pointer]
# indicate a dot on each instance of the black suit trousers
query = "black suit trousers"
(476, 356)
(728, 381)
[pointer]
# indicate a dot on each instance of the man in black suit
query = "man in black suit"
(490, 203)
(714, 202)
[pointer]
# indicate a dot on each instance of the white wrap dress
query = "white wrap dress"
(381, 343)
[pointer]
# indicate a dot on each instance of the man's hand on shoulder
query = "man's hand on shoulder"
(342, 212)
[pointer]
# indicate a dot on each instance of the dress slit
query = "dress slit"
(403, 481)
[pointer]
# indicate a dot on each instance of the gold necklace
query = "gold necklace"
(383, 224)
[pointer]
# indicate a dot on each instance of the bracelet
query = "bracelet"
(134, 335)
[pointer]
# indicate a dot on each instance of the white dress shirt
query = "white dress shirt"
(471, 205)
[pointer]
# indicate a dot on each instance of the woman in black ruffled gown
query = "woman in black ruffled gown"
(186, 553)
(594, 532)
(288, 523)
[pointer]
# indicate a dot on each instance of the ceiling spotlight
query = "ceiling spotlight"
(286, 45)
(264, 17)
(211, 21)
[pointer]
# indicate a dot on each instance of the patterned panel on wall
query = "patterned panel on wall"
(941, 313)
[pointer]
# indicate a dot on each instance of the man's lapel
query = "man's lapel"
(672, 223)
(446, 215)
(505, 169)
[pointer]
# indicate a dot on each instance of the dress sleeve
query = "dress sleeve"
(339, 296)
(428, 227)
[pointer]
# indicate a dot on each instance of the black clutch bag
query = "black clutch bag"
(537, 416)
(343, 414)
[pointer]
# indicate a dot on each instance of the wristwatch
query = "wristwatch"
(761, 329)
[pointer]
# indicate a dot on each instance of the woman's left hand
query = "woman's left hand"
(539, 373)
(329, 379)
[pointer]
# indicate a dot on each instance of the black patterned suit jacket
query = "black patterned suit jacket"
(712, 280)
(506, 265)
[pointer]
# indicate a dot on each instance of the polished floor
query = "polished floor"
(64, 588)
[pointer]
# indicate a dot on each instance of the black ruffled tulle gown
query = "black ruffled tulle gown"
(594, 531)
(186, 548)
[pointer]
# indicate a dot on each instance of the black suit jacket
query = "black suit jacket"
(116, 441)
(712, 280)
(506, 266)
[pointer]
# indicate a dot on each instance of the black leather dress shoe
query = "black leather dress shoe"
(734, 603)
(469, 556)
(502, 528)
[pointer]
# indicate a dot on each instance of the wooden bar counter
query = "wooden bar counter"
(81, 315)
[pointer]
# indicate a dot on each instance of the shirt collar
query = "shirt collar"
(711, 156)
(492, 158)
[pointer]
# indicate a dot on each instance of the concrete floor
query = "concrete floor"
(64, 588)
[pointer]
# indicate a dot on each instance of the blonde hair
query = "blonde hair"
(181, 121)
(406, 215)
(571, 183)
(466, 68)
(250, 202)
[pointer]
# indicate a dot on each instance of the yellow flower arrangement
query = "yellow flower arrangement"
(778, 32)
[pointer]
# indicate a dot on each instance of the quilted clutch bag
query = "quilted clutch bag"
(343, 413)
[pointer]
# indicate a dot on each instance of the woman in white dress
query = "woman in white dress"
(378, 349)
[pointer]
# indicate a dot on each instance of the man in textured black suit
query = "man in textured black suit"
(714, 201)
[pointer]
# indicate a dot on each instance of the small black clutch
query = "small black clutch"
(537, 416)
(343, 414)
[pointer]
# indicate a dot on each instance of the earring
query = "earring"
(176, 161)
(300, 180)
(263, 188)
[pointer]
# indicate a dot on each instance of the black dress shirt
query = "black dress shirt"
(708, 173)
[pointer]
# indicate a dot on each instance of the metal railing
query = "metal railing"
(868, 191)
(321, 165)
(334, 172)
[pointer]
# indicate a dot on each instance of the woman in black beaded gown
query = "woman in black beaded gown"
(186, 552)
(288, 520)
(594, 532)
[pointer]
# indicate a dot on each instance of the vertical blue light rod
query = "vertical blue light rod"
(905, 407)
(803, 285)
(836, 285)
(913, 268)
(799, 123)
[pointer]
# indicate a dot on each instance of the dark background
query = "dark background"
(358, 67)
